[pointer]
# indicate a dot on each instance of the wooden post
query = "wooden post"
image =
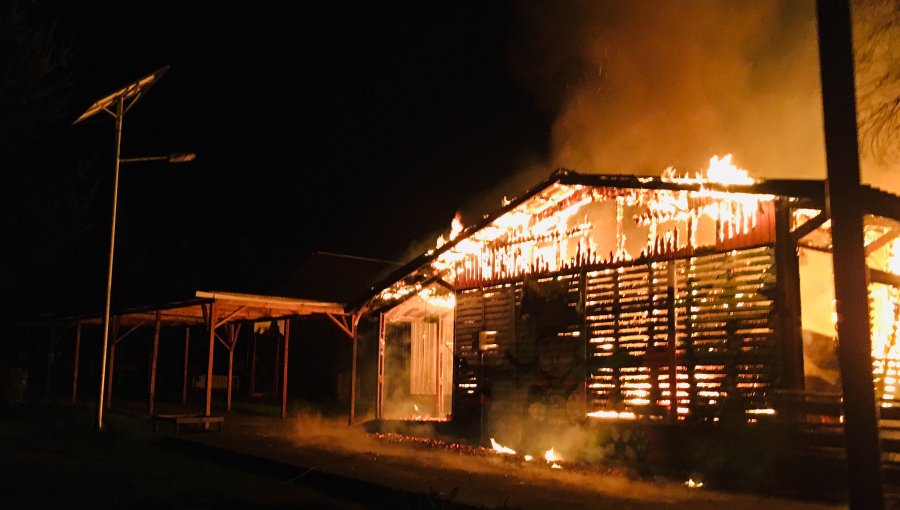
(787, 300)
(284, 383)
(672, 339)
(209, 363)
(75, 361)
(232, 339)
(153, 360)
(864, 477)
(186, 381)
(352, 416)
(253, 364)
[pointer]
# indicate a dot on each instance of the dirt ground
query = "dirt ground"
(50, 457)
(472, 478)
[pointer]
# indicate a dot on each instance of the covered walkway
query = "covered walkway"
(221, 315)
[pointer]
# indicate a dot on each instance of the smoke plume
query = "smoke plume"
(639, 86)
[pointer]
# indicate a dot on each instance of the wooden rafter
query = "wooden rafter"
(342, 324)
(223, 341)
(889, 236)
(883, 277)
(807, 228)
(134, 328)
(230, 315)
(444, 283)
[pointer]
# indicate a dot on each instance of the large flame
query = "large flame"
(720, 171)
(885, 317)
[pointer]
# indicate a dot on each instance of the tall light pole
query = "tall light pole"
(114, 104)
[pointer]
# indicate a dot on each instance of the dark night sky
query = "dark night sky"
(362, 127)
(352, 127)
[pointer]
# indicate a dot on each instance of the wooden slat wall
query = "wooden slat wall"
(488, 309)
(469, 321)
(626, 316)
(725, 341)
(726, 317)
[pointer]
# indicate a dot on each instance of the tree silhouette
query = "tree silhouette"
(877, 50)
(45, 186)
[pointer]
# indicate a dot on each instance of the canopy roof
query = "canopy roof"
(231, 307)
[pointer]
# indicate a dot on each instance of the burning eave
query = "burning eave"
(429, 267)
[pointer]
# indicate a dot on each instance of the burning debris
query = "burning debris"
(691, 484)
(550, 456)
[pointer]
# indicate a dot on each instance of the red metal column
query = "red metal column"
(253, 365)
(353, 340)
(209, 364)
(187, 344)
(379, 398)
(850, 289)
(153, 361)
(75, 361)
(275, 364)
(284, 383)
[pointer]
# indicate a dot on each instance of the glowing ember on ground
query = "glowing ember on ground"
(528, 458)
(693, 484)
(551, 456)
(500, 448)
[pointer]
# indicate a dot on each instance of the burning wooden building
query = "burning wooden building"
(672, 299)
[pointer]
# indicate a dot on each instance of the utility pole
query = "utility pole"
(850, 281)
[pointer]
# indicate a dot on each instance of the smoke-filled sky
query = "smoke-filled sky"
(638, 86)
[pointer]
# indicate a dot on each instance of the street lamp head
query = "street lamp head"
(182, 157)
